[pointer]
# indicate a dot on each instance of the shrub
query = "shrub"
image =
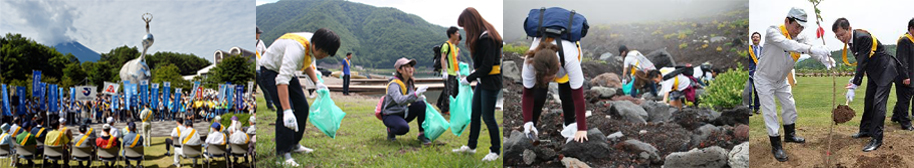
(515, 49)
(724, 91)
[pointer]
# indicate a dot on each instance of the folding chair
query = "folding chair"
(82, 154)
(53, 153)
(214, 151)
(25, 152)
(192, 152)
(238, 150)
(134, 154)
(6, 152)
(108, 155)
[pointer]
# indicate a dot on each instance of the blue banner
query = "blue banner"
(143, 93)
(52, 98)
(196, 91)
(166, 93)
(60, 96)
(229, 94)
(36, 79)
(154, 96)
(20, 91)
(72, 96)
(239, 94)
(114, 102)
(177, 101)
(41, 103)
(6, 101)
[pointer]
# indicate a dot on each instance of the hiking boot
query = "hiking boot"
(790, 134)
(776, 149)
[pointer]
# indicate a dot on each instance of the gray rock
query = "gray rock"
(610, 80)
(734, 116)
(605, 92)
(515, 146)
(703, 132)
(509, 70)
(739, 156)
(657, 112)
(629, 111)
(713, 156)
(570, 162)
(529, 157)
(661, 58)
(606, 56)
(645, 150)
(594, 148)
(615, 136)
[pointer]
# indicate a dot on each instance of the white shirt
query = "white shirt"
(286, 56)
(194, 138)
(260, 49)
(778, 62)
(215, 137)
(635, 58)
(572, 66)
(114, 132)
(175, 131)
(667, 85)
(239, 137)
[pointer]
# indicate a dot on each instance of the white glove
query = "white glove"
(320, 86)
(829, 63)
(820, 50)
(421, 90)
(850, 95)
(464, 81)
(528, 128)
(288, 120)
(569, 131)
(444, 75)
(850, 84)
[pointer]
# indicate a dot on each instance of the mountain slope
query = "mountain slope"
(81, 52)
(376, 35)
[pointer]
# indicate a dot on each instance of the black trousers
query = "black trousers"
(399, 123)
(286, 139)
(450, 89)
(903, 95)
(484, 107)
(346, 84)
(539, 100)
(874, 106)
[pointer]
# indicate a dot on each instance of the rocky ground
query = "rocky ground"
(625, 131)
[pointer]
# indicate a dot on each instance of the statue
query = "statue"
(136, 70)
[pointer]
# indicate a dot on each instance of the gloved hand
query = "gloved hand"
(850, 95)
(820, 50)
(444, 75)
(531, 131)
(421, 90)
(850, 84)
(422, 97)
(464, 81)
(320, 86)
(288, 120)
(829, 63)
(570, 131)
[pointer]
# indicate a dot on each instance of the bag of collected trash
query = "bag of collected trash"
(462, 106)
(325, 115)
(434, 124)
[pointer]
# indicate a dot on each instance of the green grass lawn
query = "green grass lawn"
(361, 142)
(813, 97)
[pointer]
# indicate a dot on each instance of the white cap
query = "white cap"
(110, 119)
(62, 120)
(106, 126)
(798, 14)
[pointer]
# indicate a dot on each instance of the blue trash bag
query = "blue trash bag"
(325, 115)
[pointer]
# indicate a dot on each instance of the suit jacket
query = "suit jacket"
(905, 54)
(881, 67)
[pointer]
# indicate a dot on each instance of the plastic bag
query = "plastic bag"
(462, 106)
(628, 88)
(325, 115)
(434, 124)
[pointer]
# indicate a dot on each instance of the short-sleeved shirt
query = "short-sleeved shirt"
(638, 61)
(192, 134)
(133, 139)
(572, 66)
(346, 65)
(57, 138)
(452, 57)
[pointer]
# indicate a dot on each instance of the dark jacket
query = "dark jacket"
(905, 54)
(881, 67)
(486, 55)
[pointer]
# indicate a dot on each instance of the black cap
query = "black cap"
(622, 48)
(259, 31)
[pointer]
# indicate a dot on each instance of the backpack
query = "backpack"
(558, 23)
(380, 106)
(437, 57)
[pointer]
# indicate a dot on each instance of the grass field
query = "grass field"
(361, 142)
(813, 97)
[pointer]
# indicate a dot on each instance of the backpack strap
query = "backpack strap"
(539, 26)
(399, 82)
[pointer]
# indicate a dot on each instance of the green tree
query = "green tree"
(169, 73)
(235, 69)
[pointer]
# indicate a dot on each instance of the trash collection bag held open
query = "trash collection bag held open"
(461, 107)
(325, 115)
(434, 123)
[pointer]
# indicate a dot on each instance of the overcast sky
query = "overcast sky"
(197, 26)
(436, 12)
(885, 19)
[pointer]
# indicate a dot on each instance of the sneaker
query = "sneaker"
(302, 149)
(423, 139)
(290, 162)
(464, 149)
(490, 157)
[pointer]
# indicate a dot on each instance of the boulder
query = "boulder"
(739, 156)
(611, 80)
(519, 145)
(595, 148)
(741, 132)
(657, 111)
(570, 162)
(733, 116)
(529, 157)
(629, 111)
(703, 132)
(509, 69)
(646, 151)
(661, 58)
(713, 156)
(605, 92)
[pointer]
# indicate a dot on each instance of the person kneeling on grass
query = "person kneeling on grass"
(404, 102)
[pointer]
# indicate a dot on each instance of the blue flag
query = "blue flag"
(166, 93)
(52, 98)
(36, 80)
(154, 96)
(60, 95)
(177, 101)
(6, 101)
(239, 94)
(41, 104)
(143, 93)
(20, 91)
(114, 102)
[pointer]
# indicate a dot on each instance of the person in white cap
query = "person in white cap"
(289, 53)
(114, 132)
(880, 68)
(782, 49)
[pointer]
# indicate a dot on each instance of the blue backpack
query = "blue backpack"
(556, 22)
